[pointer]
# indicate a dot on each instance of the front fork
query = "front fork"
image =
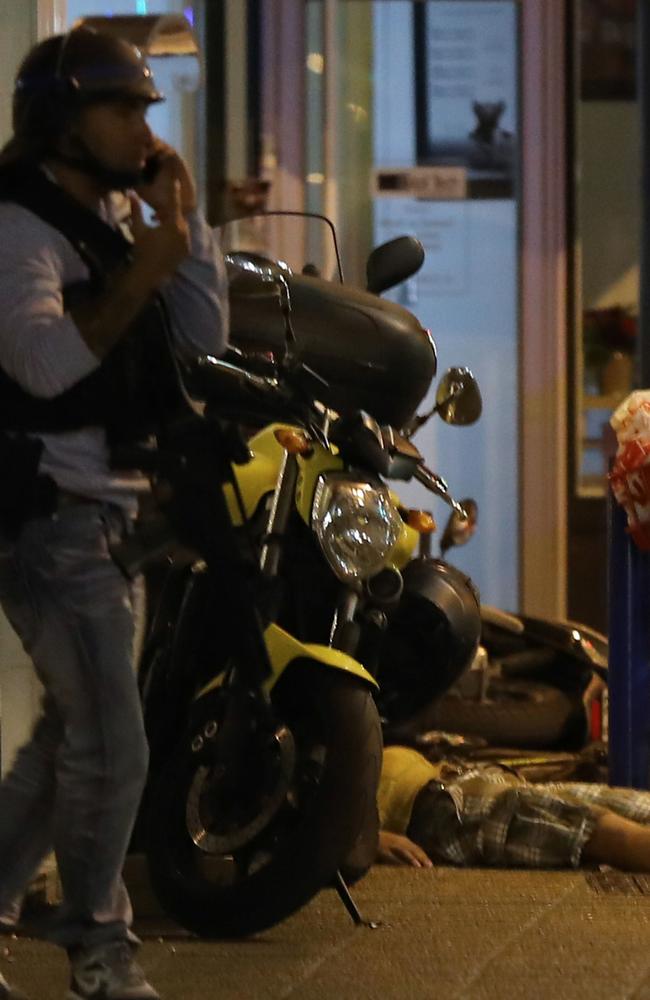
(344, 634)
(278, 521)
(345, 631)
(361, 619)
(234, 730)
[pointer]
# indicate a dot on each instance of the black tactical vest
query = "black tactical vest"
(135, 389)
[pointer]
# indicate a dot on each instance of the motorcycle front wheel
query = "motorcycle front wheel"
(231, 867)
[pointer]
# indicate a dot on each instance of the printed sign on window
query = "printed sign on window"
(466, 90)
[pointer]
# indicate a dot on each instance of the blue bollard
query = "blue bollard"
(629, 655)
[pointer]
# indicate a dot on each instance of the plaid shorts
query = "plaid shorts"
(491, 816)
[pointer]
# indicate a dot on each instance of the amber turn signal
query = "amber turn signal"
(292, 441)
(421, 522)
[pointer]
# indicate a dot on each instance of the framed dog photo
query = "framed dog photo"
(608, 33)
(466, 77)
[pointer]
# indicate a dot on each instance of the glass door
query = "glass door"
(413, 123)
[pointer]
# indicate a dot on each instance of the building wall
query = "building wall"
(19, 691)
(18, 19)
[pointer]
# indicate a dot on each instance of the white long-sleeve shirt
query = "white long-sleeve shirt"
(42, 349)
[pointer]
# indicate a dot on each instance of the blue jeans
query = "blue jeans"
(76, 785)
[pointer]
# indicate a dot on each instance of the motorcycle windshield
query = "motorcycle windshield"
(296, 242)
(286, 292)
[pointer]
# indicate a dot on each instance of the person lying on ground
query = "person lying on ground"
(489, 815)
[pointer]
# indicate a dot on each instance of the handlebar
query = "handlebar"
(260, 398)
(287, 392)
(216, 381)
(227, 391)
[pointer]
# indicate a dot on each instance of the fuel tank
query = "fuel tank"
(373, 354)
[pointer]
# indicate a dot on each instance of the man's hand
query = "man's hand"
(395, 849)
(171, 167)
(158, 250)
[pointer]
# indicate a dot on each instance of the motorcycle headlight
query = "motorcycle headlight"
(357, 525)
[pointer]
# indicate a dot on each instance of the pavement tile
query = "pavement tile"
(446, 934)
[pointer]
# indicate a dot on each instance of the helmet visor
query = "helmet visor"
(115, 82)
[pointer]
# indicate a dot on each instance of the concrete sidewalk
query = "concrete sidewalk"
(447, 934)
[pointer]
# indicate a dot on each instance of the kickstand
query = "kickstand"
(346, 898)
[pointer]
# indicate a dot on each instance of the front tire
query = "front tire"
(229, 872)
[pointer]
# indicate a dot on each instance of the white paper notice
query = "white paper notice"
(442, 228)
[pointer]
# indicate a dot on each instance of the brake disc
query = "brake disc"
(218, 834)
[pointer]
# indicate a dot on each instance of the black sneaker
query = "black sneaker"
(108, 972)
(7, 993)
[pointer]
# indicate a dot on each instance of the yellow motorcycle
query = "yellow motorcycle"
(286, 548)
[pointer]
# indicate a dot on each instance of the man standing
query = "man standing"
(82, 344)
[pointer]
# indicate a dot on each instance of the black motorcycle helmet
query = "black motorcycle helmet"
(63, 74)
(430, 641)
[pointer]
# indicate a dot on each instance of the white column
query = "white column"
(283, 102)
(236, 90)
(331, 123)
(544, 310)
(283, 118)
(51, 17)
